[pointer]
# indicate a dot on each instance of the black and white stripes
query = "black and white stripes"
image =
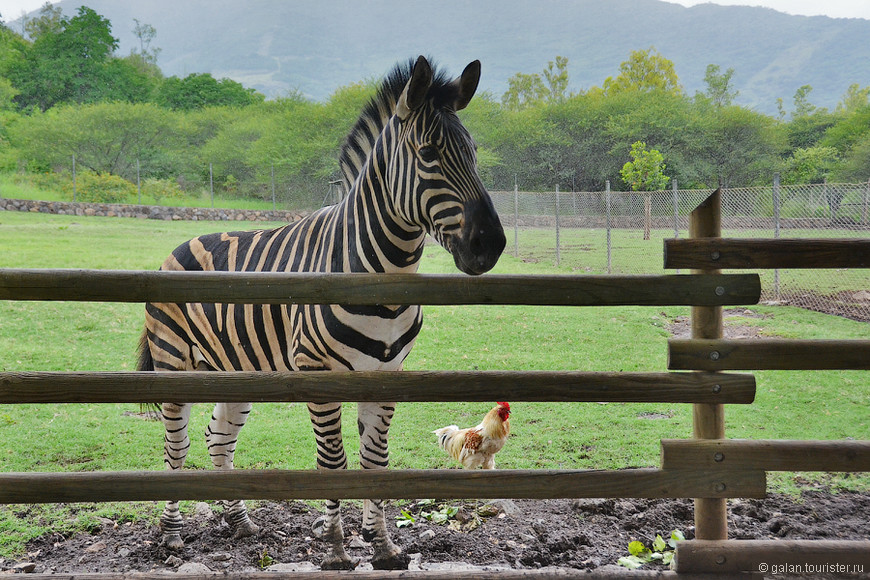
(410, 171)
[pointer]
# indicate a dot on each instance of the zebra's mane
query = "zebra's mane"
(361, 140)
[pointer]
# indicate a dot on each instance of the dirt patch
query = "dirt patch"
(579, 534)
(732, 325)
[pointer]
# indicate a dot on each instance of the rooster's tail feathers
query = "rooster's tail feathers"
(445, 434)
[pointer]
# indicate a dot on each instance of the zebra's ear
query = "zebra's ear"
(415, 91)
(467, 84)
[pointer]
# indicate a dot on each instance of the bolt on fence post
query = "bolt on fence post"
(708, 419)
(607, 205)
(558, 251)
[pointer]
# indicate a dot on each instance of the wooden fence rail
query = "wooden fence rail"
(768, 354)
(708, 468)
(375, 484)
(367, 289)
(730, 253)
(406, 386)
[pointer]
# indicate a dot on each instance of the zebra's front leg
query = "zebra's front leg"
(176, 444)
(326, 420)
(374, 425)
(221, 437)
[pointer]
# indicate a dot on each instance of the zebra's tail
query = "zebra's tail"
(146, 363)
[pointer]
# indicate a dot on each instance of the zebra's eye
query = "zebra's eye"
(428, 153)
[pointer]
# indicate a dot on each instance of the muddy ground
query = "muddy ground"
(581, 534)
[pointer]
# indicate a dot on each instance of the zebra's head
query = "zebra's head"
(435, 169)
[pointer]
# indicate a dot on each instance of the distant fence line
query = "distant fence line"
(617, 232)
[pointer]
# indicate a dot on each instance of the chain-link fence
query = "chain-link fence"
(622, 233)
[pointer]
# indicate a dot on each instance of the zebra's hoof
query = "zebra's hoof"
(397, 560)
(245, 529)
(334, 561)
(173, 542)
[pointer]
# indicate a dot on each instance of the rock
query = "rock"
(221, 556)
(98, 547)
(427, 535)
(24, 568)
(194, 569)
(357, 542)
(173, 561)
(203, 510)
(505, 506)
(294, 567)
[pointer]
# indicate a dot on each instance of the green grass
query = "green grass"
(85, 336)
(17, 186)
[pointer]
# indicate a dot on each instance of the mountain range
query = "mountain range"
(278, 46)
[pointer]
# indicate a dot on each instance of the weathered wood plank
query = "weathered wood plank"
(355, 289)
(733, 253)
(769, 455)
(708, 419)
(373, 484)
(768, 354)
(406, 386)
(806, 558)
(476, 574)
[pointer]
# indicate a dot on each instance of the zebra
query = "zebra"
(410, 170)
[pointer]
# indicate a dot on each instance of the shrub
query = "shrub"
(160, 189)
(100, 188)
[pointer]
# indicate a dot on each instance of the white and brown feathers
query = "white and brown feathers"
(476, 446)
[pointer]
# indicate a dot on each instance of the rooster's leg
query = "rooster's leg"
(374, 425)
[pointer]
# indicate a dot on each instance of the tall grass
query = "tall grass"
(85, 336)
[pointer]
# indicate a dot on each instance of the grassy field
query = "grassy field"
(16, 186)
(85, 336)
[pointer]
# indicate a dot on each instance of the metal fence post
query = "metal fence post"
(676, 209)
(516, 219)
(211, 183)
(75, 190)
(138, 183)
(864, 204)
(607, 203)
(776, 206)
(273, 187)
(558, 251)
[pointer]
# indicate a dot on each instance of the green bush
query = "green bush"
(100, 188)
(161, 189)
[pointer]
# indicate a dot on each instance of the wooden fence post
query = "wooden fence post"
(711, 520)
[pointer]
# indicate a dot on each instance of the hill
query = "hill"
(277, 46)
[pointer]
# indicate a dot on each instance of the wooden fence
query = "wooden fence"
(707, 467)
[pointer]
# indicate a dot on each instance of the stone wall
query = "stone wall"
(154, 212)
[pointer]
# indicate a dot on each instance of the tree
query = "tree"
(526, 90)
(645, 172)
(105, 137)
(66, 62)
(644, 71)
(199, 90)
(854, 98)
(811, 165)
(50, 21)
(720, 91)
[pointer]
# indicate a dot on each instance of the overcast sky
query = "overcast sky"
(12, 9)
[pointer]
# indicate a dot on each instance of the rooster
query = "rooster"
(476, 446)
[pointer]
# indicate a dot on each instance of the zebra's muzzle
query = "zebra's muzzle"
(482, 240)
